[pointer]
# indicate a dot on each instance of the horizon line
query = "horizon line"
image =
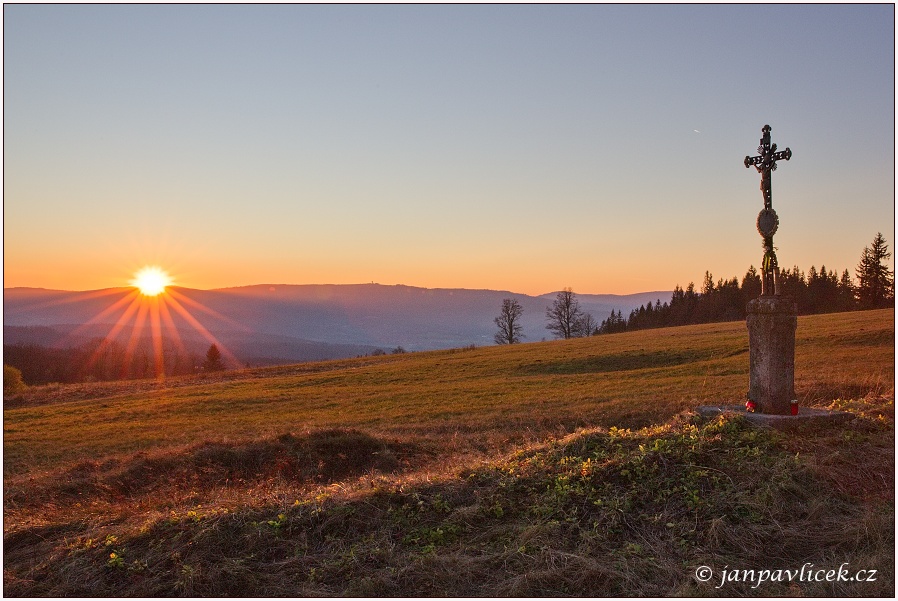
(260, 285)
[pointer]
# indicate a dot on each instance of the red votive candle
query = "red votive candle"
(794, 407)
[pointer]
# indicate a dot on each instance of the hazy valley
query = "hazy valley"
(266, 324)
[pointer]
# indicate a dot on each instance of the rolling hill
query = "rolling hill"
(304, 322)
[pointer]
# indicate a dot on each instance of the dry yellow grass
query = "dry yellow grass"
(628, 380)
(212, 458)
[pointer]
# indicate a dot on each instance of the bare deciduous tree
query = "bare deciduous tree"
(509, 322)
(564, 315)
(586, 325)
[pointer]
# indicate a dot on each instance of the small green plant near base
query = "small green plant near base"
(439, 504)
(80, 545)
(429, 538)
(116, 559)
(278, 523)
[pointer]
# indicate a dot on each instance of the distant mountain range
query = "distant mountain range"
(277, 323)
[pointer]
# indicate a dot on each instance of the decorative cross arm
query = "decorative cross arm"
(767, 160)
(768, 156)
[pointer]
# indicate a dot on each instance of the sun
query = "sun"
(151, 281)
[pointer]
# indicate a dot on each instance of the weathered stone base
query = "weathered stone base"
(807, 418)
(771, 325)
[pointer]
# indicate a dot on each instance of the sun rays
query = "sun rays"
(146, 321)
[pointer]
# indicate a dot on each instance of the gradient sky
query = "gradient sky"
(524, 148)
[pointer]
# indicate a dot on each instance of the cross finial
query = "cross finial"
(765, 163)
(768, 222)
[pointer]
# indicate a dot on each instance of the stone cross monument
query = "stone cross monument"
(771, 317)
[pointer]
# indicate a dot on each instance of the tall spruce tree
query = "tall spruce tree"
(876, 284)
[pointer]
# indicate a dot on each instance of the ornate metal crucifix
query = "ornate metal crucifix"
(768, 222)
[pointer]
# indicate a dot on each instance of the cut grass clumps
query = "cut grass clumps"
(598, 513)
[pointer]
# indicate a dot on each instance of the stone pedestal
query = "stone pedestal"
(771, 348)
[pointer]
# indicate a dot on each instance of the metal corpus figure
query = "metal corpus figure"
(768, 222)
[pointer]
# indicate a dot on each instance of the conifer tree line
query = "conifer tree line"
(823, 291)
(103, 360)
(820, 291)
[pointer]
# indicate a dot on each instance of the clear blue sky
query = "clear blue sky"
(526, 148)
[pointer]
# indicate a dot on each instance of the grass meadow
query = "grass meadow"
(554, 468)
